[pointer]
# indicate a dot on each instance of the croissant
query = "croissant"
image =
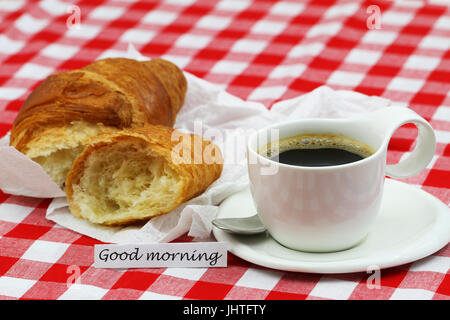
(136, 174)
(70, 107)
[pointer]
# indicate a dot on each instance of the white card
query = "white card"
(160, 255)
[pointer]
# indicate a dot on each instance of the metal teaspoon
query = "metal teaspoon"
(247, 225)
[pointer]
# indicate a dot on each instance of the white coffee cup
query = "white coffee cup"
(331, 208)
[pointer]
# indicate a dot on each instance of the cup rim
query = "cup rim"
(374, 155)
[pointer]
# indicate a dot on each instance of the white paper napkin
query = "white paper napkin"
(216, 115)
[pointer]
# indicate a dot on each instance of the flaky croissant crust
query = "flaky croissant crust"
(117, 92)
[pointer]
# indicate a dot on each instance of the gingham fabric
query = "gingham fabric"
(257, 50)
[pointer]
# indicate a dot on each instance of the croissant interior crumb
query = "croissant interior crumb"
(58, 164)
(56, 150)
(125, 179)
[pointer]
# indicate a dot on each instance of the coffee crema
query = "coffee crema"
(316, 150)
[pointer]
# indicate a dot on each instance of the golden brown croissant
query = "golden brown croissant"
(137, 174)
(70, 107)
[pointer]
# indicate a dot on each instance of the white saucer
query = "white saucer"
(412, 224)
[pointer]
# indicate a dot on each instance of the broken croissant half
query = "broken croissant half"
(68, 108)
(140, 173)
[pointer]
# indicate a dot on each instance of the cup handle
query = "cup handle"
(393, 118)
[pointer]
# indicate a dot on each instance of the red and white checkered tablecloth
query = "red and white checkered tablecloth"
(258, 50)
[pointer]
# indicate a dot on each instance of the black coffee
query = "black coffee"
(316, 150)
(317, 157)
